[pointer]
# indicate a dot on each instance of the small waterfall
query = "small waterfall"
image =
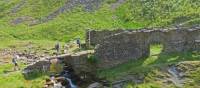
(67, 76)
(66, 79)
(71, 83)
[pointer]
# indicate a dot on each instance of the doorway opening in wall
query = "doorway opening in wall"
(155, 49)
(155, 53)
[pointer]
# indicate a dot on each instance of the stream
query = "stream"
(72, 85)
(64, 79)
(175, 78)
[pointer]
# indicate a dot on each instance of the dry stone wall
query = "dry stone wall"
(121, 46)
(39, 66)
(176, 40)
(194, 38)
(95, 37)
(155, 36)
(79, 62)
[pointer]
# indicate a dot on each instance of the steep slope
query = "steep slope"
(66, 19)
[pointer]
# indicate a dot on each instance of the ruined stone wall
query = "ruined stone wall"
(194, 37)
(155, 36)
(121, 48)
(181, 40)
(127, 45)
(79, 62)
(39, 66)
(175, 40)
(95, 37)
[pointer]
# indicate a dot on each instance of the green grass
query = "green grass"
(15, 79)
(20, 45)
(70, 25)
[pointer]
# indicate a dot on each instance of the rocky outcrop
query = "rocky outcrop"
(69, 5)
(18, 6)
(27, 19)
(117, 4)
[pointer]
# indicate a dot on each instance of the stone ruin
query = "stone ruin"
(119, 46)
(39, 66)
(77, 61)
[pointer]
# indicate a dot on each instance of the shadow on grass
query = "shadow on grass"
(176, 57)
(144, 65)
(35, 74)
(8, 71)
(120, 70)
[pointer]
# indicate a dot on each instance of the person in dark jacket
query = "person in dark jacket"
(57, 47)
(14, 61)
(78, 42)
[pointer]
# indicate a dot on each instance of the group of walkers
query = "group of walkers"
(66, 47)
(57, 47)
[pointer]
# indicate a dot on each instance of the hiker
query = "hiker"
(78, 42)
(57, 47)
(14, 61)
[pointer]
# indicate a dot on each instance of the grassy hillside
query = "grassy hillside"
(16, 17)
(112, 14)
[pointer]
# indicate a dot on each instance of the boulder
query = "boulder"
(95, 85)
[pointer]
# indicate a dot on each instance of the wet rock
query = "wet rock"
(106, 83)
(95, 85)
